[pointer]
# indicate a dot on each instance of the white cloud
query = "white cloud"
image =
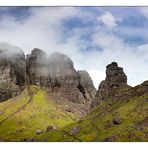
(43, 29)
(108, 19)
(106, 40)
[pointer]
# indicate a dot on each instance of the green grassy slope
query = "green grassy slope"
(38, 114)
(99, 126)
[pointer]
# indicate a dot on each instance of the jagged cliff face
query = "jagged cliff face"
(12, 71)
(72, 89)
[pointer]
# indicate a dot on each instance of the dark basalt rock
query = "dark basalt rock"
(12, 71)
(115, 80)
(117, 120)
(115, 75)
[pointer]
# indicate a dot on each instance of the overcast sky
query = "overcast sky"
(91, 36)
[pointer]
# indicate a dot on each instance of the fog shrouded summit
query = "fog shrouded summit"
(9, 51)
(12, 71)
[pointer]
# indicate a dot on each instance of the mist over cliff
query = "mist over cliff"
(55, 72)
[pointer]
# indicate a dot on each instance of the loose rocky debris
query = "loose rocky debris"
(141, 125)
(28, 140)
(112, 138)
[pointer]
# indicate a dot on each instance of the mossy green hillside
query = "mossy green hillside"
(95, 127)
(40, 113)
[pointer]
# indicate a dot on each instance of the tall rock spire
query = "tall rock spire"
(115, 80)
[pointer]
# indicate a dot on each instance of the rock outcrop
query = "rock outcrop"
(115, 80)
(136, 91)
(12, 71)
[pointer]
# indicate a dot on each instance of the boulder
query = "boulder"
(38, 131)
(117, 120)
(75, 130)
